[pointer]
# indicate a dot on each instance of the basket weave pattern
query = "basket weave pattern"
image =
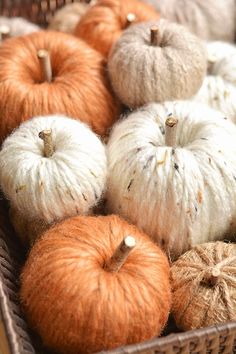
(213, 340)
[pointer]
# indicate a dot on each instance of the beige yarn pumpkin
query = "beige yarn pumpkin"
(209, 19)
(204, 286)
(155, 62)
(66, 18)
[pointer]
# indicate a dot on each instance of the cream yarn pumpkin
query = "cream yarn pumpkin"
(156, 61)
(180, 195)
(66, 18)
(219, 87)
(204, 286)
(18, 26)
(69, 180)
(208, 19)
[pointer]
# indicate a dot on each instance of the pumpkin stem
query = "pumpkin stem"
(46, 136)
(171, 131)
(45, 63)
(154, 35)
(120, 255)
(4, 33)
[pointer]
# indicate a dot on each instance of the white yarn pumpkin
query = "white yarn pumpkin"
(69, 182)
(172, 68)
(181, 195)
(219, 87)
(18, 26)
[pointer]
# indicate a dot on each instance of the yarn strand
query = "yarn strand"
(171, 129)
(44, 59)
(46, 136)
(120, 255)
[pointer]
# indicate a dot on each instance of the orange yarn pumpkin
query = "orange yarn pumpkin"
(79, 88)
(79, 306)
(104, 22)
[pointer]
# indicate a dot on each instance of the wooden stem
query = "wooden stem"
(4, 32)
(46, 136)
(213, 279)
(120, 255)
(45, 63)
(171, 130)
(154, 35)
(130, 18)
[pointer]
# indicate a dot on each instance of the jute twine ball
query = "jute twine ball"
(219, 87)
(17, 26)
(95, 283)
(53, 167)
(204, 286)
(66, 18)
(210, 20)
(156, 61)
(49, 73)
(171, 169)
(104, 22)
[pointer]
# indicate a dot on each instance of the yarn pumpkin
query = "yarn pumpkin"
(219, 87)
(210, 20)
(66, 18)
(18, 26)
(173, 187)
(79, 86)
(80, 299)
(52, 168)
(104, 22)
(156, 61)
(204, 286)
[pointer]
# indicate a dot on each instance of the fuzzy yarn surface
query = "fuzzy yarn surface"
(76, 305)
(141, 72)
(18, 26)
(181, 195)
(204, 286)
(210, 20)
(66, 18)
(79, 88)
(68, 183)
(104, 22)
(219, 87)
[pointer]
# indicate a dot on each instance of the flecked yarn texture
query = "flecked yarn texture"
(210, 20)
(18, 26)
(80, 86)
(79, 307)
(104, 23)
(141, 72)
(66, 18)
(181, 195)
(68, 183)
(204, 286)
(219, 87)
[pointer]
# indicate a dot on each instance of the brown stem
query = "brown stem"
(45, 63)
(130, 18)
(4, 32)
(171, 131)
(46, 136)
(120, 255)
(154, 35)
(214, 276)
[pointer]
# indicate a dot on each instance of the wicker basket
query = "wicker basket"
(15, 336)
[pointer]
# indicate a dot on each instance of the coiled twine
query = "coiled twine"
(204, 286)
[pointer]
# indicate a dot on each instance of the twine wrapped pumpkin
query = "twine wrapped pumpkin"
(204, 286)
